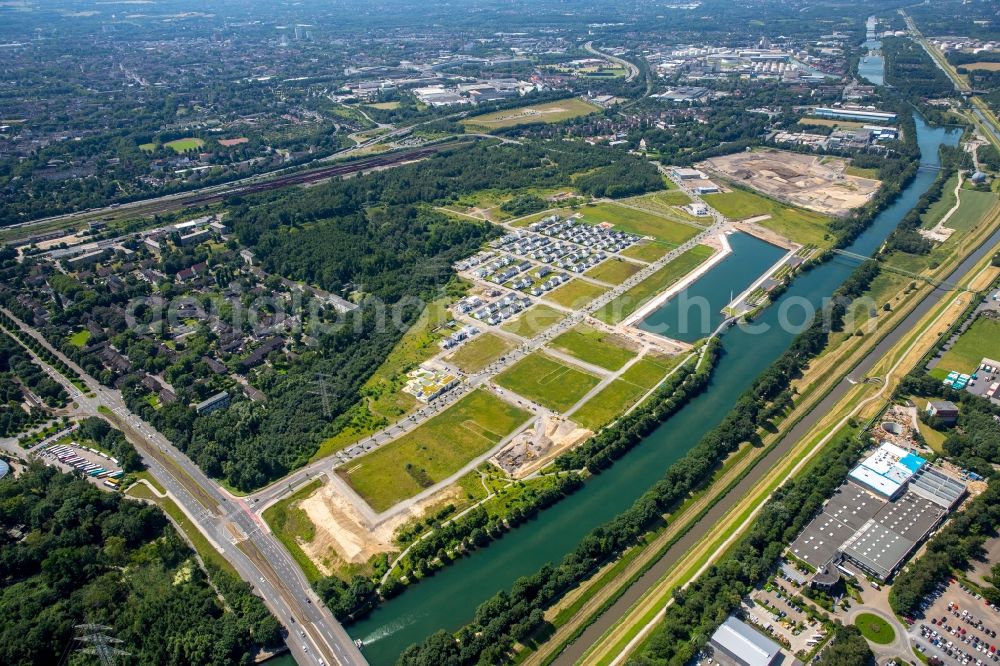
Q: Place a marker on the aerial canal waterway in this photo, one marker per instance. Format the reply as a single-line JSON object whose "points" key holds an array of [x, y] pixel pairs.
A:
{"points": [[872, 66], [448, 599], [697, 311]]}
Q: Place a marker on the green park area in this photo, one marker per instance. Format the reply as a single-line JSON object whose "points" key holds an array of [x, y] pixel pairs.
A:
{"points": [[874, 628], [596, 347], [980, 340], [479, 352], [648, 251], [639, 222], [620, 308], [434, 450], [178, 145], [613, 271], [551, 112], [547, 381], [533, 321], [575, 294], [621, 394], [80, 338], [797, 224]]}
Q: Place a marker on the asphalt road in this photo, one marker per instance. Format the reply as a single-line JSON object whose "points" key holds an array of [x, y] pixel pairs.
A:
{"points": [[314, 636], [616, 611]]}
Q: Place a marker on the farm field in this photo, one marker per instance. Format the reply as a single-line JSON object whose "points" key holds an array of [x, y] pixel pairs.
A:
{"points": [[988, 66], [801, 226], [551, 112], [648, 251], [575, 294], [613, 271], [434, 451], [620, 308], [479, 352], [590, 345], [547, 381], [982, 339], [533, 321], [639, 222]]}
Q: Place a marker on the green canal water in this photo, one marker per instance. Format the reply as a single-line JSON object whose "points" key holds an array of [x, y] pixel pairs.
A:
{"points": [[697, 311], [448, 600]]}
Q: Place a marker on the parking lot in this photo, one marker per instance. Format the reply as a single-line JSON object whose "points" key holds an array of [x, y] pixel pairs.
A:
{"points": [[70, 456], [780, 615], [958, 627]]}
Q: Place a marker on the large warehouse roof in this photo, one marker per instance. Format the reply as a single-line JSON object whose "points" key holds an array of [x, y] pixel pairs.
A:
{"points": [[939, 488], [744, 644], [888, 469]]}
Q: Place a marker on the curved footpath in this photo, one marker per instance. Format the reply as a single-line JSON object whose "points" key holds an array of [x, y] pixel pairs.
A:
{"points": [[595, 630]]}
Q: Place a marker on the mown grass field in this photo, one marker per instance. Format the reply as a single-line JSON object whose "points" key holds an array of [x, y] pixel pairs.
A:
{"points": [[980, 340], [534, 320], [595, 347], [184, 145], [547, 381], [624, 392], [862, 172], [575, 294], [648, 251], [479, 352], [433, 451], [662, 202], [551, 112], [80, 338], [623, 306], [613, 271], [801, 226], [639, 222]]}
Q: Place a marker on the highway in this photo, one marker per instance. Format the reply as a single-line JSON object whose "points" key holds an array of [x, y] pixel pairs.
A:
{"points": [[314, 636]]}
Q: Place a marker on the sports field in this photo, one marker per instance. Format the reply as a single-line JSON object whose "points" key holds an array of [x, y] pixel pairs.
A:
{"points": [[547, 381], [534, 320], [590, 345], [980, 340], [620, 308], [184, 145], [479, 352], [434, 451], [613, 271], [551, 112], [801, 226], [639, 222], [624, 392], [575, 294]]}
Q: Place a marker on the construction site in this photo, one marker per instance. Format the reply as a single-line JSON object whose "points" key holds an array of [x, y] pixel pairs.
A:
{"points": [[813, 182]]}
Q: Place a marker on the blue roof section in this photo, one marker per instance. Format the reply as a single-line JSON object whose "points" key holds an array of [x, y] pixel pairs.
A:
{"points": [[4, 469], [912, 462]]}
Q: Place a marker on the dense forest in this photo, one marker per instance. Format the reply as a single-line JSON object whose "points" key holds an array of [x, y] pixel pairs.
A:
{"points": [[72, 554], [912, 72]]}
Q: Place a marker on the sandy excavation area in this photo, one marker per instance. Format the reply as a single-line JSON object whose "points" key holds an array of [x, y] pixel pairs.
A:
{"points": [[814, 182], [536, 446], [344, 536]]}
